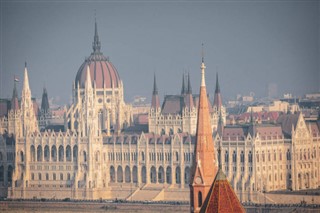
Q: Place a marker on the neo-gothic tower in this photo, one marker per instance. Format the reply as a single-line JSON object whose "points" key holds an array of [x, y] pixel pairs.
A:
{"points": [[29, 120], [204, 166]]}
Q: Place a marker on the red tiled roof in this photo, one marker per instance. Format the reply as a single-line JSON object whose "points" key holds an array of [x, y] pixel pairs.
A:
{"points": [[221, 197]]}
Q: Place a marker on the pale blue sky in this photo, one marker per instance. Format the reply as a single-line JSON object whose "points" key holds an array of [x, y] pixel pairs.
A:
{"points": [[250, 44]]}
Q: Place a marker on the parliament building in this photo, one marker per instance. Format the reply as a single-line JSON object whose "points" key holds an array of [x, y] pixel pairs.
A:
{"points": [[91, 156]]}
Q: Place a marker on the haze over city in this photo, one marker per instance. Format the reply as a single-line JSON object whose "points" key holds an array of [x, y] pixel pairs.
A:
{"points": [[250, 43]]}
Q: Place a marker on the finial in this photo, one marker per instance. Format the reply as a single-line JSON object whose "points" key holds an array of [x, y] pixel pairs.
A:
{"points": [[203, 67], [202, 53]]}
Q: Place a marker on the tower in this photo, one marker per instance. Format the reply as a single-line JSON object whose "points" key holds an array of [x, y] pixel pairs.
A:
{"points": [[204, 166], [29, 120]]}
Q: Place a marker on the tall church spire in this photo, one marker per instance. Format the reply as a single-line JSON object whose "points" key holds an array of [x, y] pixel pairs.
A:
{"points": [[204, 166], [155, 103], [96, 45]]}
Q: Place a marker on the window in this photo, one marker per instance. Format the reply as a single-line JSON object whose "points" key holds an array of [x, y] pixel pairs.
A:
{"points": [[47, 176], [234, 157], [32, 176], [54, 176], [61, 176], [199, 199], [242, 157], [226, 157], [250, 157], [39, 176]]}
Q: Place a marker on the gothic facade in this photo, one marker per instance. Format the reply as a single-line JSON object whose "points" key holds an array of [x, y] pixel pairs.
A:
{"points": [[91, 159]]}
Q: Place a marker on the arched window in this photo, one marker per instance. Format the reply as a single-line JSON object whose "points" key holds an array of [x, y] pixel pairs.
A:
{"points": [[61, 176], [134, 174], [288, 155], [168, 175], [68, 176], [226, 157], [39, 176], [112, 174], [234, 157], [143, 174], [274, 155], [178, 175], [177, 156], [142, 156], [54, 177], [242, 157], [127, 175], [75, 153], [47, 176], [199, 199], [33, 153], [21, 156], [46, 153], [61, 153], [250, 157], [161, 175], [54, 153], [257, 157], [120, 174], [39, 153], [68, 153], [153, 175]]}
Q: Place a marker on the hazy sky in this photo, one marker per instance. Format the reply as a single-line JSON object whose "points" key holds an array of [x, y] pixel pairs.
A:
{"points": [[250, 44]]}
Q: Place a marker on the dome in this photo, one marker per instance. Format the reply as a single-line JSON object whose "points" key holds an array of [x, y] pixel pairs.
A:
{"points": [[102, 71]]}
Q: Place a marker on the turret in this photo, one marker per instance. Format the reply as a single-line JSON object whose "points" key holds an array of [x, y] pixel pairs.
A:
{"points": [[217, 101], [45, 102], [155, 103]]}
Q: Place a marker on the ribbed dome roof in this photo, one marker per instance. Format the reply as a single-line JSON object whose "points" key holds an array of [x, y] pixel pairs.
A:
{"points": [[102, 71]]}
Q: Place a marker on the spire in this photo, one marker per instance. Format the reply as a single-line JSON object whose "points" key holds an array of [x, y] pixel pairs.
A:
{"points": [[155, 103], [204, 166], [217, 101], [25, 79], [217, 84], [155, 88], [189, 91], [183, 88], [44, 102], [96, 45]]}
